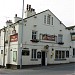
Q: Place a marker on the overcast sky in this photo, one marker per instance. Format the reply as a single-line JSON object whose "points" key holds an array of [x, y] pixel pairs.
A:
{"points": [[63, 9]]}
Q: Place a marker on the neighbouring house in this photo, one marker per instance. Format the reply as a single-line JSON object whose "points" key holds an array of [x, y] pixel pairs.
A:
{"points": [[38, 39]]}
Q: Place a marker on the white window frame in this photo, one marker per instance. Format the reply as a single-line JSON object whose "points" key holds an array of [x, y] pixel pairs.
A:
{"points": [[60, 38], [61, 54], [52, 20], [44, 19], [34, 36], [73, 51], [48, 19], [33, 55]]}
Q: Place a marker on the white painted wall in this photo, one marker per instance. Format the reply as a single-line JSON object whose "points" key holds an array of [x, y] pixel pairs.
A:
{"points": [[45, 29], [27, 36]]}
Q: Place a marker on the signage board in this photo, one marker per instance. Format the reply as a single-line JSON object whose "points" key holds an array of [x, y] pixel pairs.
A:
{"points": [[14, 38], [48, 37], [73, 37]]}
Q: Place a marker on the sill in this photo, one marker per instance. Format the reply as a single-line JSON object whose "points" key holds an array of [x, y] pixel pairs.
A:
{"points": [[67, 57], [60, 43], [60, 59], [73, 56], [34, 59], [35, 40], [46, 41]]}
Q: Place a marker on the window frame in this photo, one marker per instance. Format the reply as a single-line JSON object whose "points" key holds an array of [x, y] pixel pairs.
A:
{"points": [[48, 19], [52, 20], [26, 54], [73, 51], [1, 51], [59, 54], [34, 34], [33, 55], [67, 54], [44, 19], [60, 38], [14, 56]]}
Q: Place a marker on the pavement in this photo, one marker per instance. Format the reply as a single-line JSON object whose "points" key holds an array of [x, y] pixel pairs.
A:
{"points": [[63, 69]]}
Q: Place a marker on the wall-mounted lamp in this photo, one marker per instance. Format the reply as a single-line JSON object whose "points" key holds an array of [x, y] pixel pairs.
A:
{"points": [[70, 46], [52, 49], [11, 50]]}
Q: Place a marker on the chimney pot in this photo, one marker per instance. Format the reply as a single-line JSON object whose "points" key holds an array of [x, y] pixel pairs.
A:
{"points": [[15, 15], [33, 9], [9, 21], [29, 7]]}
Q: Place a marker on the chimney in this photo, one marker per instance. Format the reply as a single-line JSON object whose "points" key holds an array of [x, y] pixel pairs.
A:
{"points": [[16, 18], [9, 22], [15, 15], [29, 11]]}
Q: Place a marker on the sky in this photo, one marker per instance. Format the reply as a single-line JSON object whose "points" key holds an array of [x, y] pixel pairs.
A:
{"points": [[62, 9]]}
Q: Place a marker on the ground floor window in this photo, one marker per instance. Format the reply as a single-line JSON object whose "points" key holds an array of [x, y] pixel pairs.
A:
{"points": [[1, 51], [14, 56], [67, 54], [63, 54], [73, 51], [25, 52], [59, 54], [56, 54], [34, 54]]}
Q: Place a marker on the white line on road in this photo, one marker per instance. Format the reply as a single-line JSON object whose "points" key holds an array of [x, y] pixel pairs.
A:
{"points": [[71, 74]]}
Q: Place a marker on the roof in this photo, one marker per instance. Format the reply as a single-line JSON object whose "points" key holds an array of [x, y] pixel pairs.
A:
{"points": [[71, 27], [38, 14]]}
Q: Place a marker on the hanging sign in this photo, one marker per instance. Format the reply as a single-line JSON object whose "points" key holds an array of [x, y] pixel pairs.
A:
{"points": [[14, 38]]}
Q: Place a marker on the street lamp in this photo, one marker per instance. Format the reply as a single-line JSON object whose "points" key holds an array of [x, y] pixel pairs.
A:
{"points": [[21, 46]]}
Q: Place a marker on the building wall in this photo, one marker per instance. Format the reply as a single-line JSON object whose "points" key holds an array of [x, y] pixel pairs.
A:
{"points": [[13, 46], [40, 27], [36, 23]]}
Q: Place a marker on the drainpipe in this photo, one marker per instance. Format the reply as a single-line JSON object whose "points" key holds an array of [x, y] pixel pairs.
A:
{"points": [[8, 51], [4, 48]]}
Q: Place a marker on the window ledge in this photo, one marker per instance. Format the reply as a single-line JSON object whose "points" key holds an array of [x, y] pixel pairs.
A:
{"points": [[60, 43], [59, 59], [73, 56], [34, 59], [35, 40]]}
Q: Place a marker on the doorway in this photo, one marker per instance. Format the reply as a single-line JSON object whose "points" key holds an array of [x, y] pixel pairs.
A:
{"points": [[43, 58]]}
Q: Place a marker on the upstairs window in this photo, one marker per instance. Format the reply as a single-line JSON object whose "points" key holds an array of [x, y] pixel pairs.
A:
{"points": [[48, 19], [52, 20], [34, 35], [60, 38], [44, 19]]}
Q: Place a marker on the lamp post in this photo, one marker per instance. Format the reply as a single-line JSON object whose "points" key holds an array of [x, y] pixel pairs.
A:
{"points": [[21, 45]]}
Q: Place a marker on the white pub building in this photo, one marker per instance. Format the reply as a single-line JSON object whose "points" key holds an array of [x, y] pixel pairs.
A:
{"points": [[40, 39]]}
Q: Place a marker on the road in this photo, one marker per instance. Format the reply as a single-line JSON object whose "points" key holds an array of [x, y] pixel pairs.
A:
{"points": [[64, 69]]}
